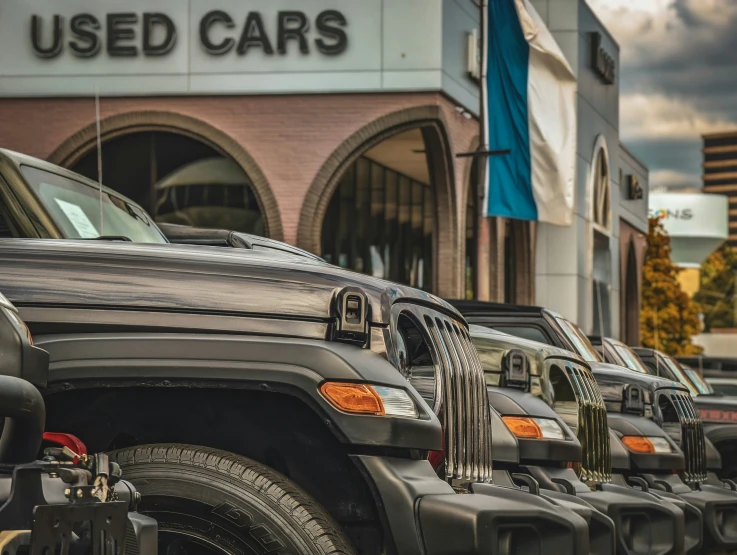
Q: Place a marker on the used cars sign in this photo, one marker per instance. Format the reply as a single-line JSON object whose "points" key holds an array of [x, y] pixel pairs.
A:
{"points": [[125, 34]]}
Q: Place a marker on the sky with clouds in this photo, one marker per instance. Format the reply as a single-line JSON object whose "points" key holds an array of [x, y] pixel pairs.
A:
{"points": [[678, 79]]}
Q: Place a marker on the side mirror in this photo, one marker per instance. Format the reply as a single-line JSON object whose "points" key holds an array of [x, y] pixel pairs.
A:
{"points": [[18, 357]]}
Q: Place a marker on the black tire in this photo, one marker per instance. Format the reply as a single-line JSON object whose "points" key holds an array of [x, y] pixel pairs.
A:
{"points": [[210, 501]]}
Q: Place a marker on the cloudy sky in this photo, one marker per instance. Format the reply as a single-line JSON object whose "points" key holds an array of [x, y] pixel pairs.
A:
{"points": [[678, 79]]}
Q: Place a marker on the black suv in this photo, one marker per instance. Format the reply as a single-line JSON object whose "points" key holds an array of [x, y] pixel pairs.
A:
{"points": [[670, 408], [549, 399], [718, 412], [269, 402]]}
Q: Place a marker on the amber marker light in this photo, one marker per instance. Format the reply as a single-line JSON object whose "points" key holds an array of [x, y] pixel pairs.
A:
{"points": [[534, 428], [353, 398], [525, 428], [647, 445]]}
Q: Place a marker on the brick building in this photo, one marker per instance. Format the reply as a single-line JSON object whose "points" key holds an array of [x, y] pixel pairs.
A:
{"points": [[337, 130], [720, 173]]}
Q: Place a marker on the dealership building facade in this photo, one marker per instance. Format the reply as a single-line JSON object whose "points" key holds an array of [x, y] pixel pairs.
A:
{"points": [[335, 126]]}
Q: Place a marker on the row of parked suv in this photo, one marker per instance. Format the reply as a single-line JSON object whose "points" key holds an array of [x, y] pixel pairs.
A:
{"points": [[260, 400]]}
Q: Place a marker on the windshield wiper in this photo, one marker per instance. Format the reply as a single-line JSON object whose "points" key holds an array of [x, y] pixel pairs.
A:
{"points": [[111, 238]]}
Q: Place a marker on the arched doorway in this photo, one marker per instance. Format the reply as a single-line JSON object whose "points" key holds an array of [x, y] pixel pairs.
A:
{"points": [[383, 203], [381, 219], [472, 234], [519, 274], [631, 315], [601, 241], [178, 179]]}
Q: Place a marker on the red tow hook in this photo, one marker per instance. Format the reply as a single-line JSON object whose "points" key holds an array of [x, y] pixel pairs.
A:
{"points": [[437, 458], [66, 440]]}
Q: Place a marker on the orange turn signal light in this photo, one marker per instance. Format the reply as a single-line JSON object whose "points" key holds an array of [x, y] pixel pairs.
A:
{"points": [[353, 398], [525, 428], [638, 444]]}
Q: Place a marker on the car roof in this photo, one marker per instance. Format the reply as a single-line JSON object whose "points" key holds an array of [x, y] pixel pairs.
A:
{"points": [[17, 159], [187, 278], [480, 308]]}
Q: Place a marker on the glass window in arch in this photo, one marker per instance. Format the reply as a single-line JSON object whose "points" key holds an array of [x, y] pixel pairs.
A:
{"points": [[381, 223], [602, 191]]}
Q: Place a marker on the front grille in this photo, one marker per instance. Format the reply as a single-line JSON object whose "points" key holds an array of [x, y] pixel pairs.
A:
{"points": [[692, 441], [593, 428], [464, 409]]}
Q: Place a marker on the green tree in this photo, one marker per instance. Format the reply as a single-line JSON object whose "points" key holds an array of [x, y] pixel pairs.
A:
{"points": [[716, 294], [669, 318]]}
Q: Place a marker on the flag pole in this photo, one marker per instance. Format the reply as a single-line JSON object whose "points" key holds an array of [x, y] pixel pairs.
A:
{"points": [[481, 158], [483, 250]]}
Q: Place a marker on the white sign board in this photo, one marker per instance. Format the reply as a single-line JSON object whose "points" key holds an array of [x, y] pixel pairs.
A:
{"points": [[697, 223], [132, 47]]}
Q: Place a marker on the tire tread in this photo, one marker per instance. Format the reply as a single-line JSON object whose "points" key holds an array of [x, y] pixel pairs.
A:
{"points": [[322, 530]]}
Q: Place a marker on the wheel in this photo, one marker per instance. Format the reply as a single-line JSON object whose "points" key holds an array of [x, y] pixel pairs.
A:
{"points": [[213, 502]]}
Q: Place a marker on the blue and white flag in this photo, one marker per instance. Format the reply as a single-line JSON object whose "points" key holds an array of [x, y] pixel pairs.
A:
{"points": [[529, 91]]}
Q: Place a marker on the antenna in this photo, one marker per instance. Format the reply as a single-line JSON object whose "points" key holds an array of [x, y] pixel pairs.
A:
{"points": [[657, 335], [99, 156]]}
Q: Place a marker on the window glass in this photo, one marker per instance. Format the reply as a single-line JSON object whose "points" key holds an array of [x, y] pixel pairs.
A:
{"points": [[680, 375], [531, 333], [381, 223], [724, 388], [630, 358], [75, 208], [581, 343], [698, 381]]}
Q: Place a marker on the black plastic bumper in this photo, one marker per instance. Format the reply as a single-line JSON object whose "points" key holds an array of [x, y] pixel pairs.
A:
{"points": [[645, 524], [424, 516], [693, 521], [717, 505], [601, 527]]}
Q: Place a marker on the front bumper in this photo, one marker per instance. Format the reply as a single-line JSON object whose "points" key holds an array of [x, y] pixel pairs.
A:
{"points": [[644, 523], [601, 527], [423, 515], [716, 503]]}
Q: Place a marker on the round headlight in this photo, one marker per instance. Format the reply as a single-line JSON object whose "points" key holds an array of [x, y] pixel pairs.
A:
{"points": [[416, 364], [425, 380]]}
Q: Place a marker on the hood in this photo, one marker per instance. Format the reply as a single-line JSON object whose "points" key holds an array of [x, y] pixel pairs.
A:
{"points": [[493, 345], [168, 277], [611, 373]]}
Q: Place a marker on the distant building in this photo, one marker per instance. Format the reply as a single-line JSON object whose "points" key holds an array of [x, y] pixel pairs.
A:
{"points": [[344, 141], [720, 173], [697, 225]]}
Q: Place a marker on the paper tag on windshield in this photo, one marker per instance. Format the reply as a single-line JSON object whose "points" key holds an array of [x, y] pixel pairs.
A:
{"points": [[79, 219]]}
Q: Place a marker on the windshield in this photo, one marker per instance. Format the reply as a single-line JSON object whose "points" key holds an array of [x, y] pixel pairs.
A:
{"points": [[630, 358], [680, 374], [698, 381], [75, 209], [580, 341]]}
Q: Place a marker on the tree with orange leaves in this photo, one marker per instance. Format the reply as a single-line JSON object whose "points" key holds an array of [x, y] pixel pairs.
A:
{"points": [[669, 318]]}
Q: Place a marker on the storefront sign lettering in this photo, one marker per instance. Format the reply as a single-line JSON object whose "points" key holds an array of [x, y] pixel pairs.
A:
{"points": [[155, 34], [666, 214], [121, 38], [292, 26], [602, 63]]}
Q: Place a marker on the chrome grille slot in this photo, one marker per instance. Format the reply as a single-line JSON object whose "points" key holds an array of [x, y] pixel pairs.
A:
{"points": [[692, 437], [593, 428], [464, 409]]}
